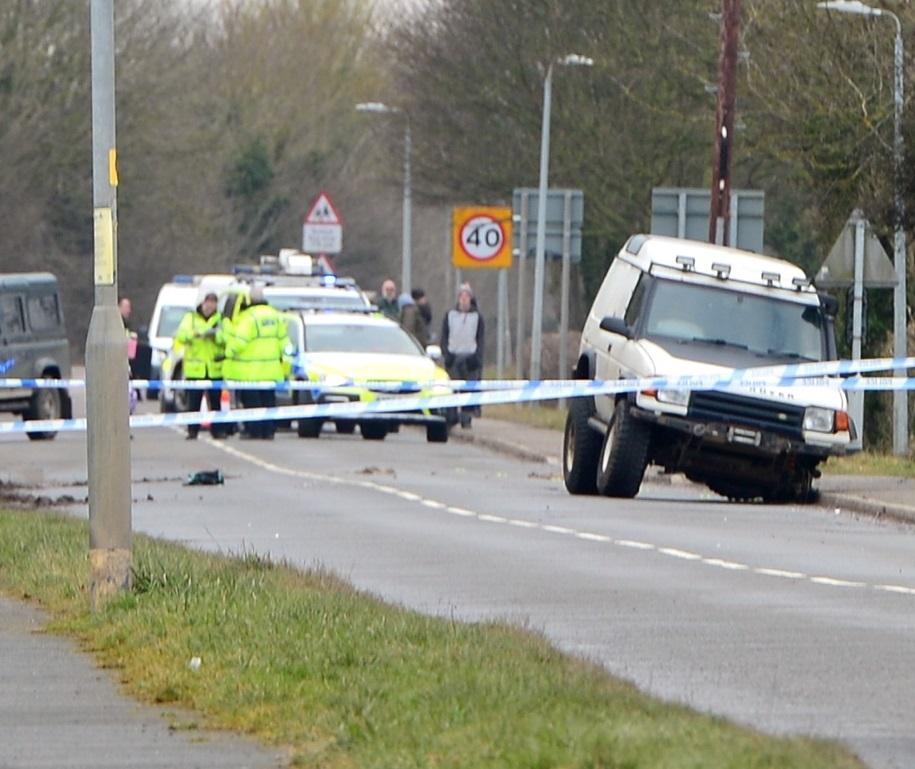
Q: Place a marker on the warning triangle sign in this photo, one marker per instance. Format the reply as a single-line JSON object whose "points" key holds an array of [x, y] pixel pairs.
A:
{"points": [[323, 211]]}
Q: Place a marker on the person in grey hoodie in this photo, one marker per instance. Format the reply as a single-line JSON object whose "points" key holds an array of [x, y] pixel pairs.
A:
{"points": [[462, 344]]}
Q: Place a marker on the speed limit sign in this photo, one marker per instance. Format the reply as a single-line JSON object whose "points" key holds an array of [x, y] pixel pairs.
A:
{"points": [[482, 237]]}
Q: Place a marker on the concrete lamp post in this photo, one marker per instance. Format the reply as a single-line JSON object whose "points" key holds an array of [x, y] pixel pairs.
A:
{"points": [[570, 60], [379, 108], [900, 401]]}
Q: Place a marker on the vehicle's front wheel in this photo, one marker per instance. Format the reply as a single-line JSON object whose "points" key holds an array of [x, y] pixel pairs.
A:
{"points": [[580, 448], [373, 431], [44, 404], [624, 455], [345, 426], [437, 432]]}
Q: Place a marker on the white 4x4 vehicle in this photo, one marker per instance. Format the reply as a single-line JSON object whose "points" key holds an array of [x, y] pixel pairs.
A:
{"points": [[669, 308]]}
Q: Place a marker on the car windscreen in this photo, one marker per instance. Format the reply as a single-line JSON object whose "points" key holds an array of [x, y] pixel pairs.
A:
{"points": [[384, 340], [763, 325], [169, 320], [343, 301]]}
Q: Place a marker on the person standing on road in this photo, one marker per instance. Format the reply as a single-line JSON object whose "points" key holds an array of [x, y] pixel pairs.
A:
{"points": [[204, 350], [425, 309], [462, 344], [387, 302], [412, 320], [255, 345]]}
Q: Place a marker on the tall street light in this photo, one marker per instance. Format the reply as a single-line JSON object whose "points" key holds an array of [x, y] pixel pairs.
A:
{"points": [[900, 400], [406, 282], [570, 60]]}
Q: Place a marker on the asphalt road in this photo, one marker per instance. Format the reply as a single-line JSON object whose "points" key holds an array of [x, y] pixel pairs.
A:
{"points": [[792, 619]]}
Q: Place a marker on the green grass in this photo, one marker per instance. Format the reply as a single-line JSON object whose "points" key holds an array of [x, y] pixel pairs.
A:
{"points": [[544, 415], [303, 660], [870, 463]]}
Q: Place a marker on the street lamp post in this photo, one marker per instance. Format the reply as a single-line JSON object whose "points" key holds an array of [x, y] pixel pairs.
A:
{"points": [[571, 60], [378, 107], [900, 400]]}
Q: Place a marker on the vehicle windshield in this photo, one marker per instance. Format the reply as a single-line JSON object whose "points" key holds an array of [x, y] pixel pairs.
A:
{"points": [[762, 325], [383, 340], [170, 319], [344, 301]]}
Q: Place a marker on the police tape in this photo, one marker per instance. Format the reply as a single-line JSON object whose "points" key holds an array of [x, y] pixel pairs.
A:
{"points": [[785, 375], [385, 407]]}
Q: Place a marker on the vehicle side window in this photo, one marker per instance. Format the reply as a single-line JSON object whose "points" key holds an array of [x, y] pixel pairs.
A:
{"points": [[12, 321], [637, 302], [615, 291], [44, 313]]}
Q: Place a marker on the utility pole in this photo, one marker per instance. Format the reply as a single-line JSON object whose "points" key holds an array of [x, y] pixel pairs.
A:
{"points": [[724, 124], [110, 529]]}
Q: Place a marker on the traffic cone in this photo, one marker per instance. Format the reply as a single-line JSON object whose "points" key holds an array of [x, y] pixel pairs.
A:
{"points": [[205, 408]]}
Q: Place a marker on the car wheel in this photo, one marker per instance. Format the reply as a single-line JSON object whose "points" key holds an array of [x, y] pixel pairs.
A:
{"points": [[624, 455], [181, 399], [437, 432], [580, 448], [373, 431], [345, 426], [44, 404], [309, 428]]}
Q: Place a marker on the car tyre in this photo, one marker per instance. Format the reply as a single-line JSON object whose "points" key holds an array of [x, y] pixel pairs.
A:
{"points": [[44, 404], [309, 428], [345, 426], [624, 454], [580, 448], [437, 432], [373, 431]]}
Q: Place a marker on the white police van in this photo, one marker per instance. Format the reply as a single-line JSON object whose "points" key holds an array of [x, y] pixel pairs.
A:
{"points": [[671, 308]]}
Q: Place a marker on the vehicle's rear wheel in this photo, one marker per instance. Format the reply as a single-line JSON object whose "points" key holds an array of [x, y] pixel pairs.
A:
{"points": [[580, 448], [181, 395], [345, 426], [437, 432], [44, 404], [373, 431], [309, 428], [624, 455]]}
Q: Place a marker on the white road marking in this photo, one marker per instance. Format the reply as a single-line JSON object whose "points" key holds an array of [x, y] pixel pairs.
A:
{"points": [[835, 582], [633, 544], [685, 555], [558, 529], [721, 564], [781, 573], [523, 524]]}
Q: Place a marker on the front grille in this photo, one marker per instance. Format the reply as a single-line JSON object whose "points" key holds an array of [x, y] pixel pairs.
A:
{"points": [[750, 412]]}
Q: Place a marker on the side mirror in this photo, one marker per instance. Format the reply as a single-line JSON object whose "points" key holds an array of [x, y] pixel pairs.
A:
{"points": [[616, 326]]}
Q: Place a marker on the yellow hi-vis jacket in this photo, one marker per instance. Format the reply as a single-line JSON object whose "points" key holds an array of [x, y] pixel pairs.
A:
{"points": [[255, 345], [203, 346]]}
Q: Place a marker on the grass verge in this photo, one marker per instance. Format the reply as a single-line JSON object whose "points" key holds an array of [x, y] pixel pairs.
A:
{"points": [[538, 414], [870, 463], [303, 660]]}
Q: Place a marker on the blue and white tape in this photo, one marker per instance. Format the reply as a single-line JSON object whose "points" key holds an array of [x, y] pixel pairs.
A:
{"points": [[386, 406], [784, 375]]}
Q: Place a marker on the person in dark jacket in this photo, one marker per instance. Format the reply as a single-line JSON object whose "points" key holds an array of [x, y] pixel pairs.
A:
{"points": [[411, 319], [422, 302], [462, 344]]}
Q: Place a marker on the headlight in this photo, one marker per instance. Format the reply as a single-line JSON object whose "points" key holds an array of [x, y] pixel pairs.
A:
{"points": [[819, 420], [675, 397]]}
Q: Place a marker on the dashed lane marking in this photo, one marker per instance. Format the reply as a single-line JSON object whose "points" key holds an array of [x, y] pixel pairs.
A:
{"points": [[669, 552]]}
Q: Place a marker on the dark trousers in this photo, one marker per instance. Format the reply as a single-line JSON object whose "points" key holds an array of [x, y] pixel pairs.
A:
{"points": [[255, 399], [194, 398]]}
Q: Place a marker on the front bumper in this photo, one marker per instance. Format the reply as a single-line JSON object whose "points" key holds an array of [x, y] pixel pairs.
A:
{"points": [[354, 395], [739, 438]]}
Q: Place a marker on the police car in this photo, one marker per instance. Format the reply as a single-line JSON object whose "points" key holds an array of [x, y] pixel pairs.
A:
{"points": [[334, 349]]}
